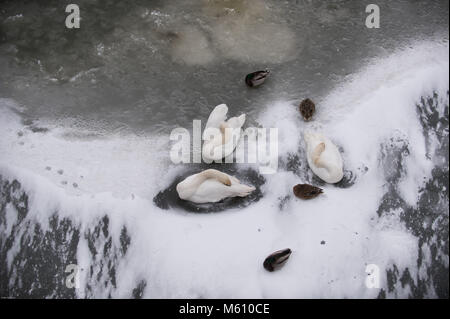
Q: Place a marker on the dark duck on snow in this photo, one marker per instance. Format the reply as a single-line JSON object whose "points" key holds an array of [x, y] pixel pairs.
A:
{"points": [[277, 259], [306, 191], [307, 109]]}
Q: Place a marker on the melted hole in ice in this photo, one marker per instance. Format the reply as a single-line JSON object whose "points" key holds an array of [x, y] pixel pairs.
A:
{"points": [[239, 30], [393, 155], [169, 198], [191, 46], [247, 41]]}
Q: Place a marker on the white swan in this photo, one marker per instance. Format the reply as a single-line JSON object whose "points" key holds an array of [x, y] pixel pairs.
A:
{"points": [[221, 136], [323, 157], [211, 186]]}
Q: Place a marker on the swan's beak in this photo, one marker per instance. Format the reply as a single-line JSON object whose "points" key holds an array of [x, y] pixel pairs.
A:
{"points": [[277, 259]]}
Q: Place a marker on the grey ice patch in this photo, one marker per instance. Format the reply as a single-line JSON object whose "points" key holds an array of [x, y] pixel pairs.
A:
{"points": [[393, 155], [428, 219], [33, 260]]}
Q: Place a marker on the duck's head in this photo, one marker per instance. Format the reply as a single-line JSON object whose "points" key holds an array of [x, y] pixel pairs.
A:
{"points": [[307, 109], [277, 259]]}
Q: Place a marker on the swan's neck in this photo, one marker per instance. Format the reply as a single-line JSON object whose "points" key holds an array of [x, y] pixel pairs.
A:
{"points": [[197, 180], [225, 130], [316, 155], [217, 175]]}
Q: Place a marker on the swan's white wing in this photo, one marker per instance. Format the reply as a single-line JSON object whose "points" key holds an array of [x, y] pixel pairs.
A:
{"points": [[330, 165], [212, 191], [217, 116]]}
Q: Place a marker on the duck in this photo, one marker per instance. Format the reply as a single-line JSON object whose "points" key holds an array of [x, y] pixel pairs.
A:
{"points": [[211, 186], [307, 109], [277, 259], [221, 136], [324, 158], [257, 78], [306, 191]]}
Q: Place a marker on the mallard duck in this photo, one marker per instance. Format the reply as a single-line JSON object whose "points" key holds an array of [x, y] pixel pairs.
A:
{"points": [[221, 136], [306, 191], [211, 186], [256, 78], [307, 109], [277, 259], [324, 158]]}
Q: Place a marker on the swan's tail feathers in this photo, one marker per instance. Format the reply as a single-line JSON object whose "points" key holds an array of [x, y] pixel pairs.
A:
{"points": [[339, 175], [316, 154], [335, 174], [241, 120], [244, 190], [236, 122], [234, 180]]}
